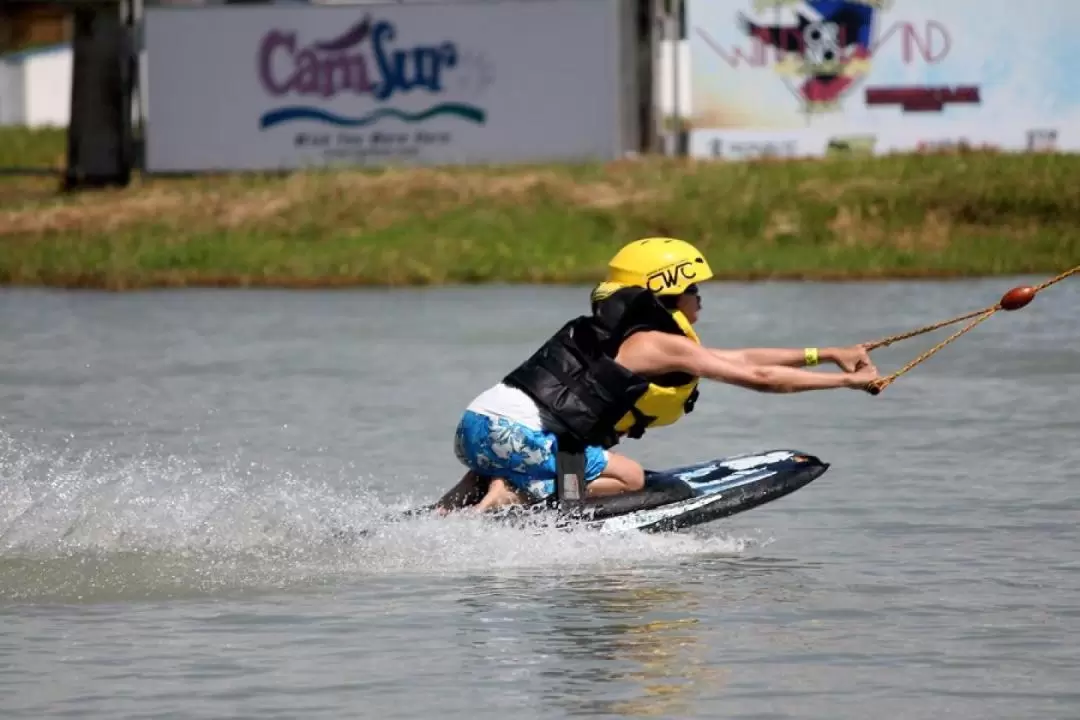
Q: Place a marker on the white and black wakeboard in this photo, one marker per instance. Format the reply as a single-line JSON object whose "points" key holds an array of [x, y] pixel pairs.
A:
{"points": [[677, 498], [695, 494]]}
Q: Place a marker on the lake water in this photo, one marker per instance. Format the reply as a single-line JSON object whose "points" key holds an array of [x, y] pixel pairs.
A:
{"points": [[174, 466]]}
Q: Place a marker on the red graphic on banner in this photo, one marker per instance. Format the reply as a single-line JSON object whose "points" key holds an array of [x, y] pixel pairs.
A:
{"points": [[923, 98]]}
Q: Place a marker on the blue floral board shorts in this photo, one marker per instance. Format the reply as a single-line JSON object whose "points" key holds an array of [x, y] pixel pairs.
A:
{"points": [[524, 457]]}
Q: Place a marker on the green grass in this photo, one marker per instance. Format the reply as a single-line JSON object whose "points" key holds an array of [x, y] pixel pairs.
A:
{"points": [[24, 147], [850, 218]]}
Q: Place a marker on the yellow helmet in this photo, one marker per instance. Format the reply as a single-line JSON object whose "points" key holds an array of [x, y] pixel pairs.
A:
{"points": [[666, 266]]}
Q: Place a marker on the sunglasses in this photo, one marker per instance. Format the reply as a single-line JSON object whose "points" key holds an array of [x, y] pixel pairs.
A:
{"points": [[672, 301]]}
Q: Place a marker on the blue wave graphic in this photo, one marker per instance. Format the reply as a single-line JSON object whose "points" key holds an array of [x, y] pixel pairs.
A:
{"points": [[300, 112]]}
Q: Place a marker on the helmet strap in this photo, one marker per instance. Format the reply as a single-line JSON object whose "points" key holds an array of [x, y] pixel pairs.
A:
{"points": [[671, 302]]}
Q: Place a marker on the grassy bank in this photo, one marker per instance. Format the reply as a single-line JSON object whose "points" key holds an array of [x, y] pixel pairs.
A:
{"points": [[26, 148], [905, 216]]}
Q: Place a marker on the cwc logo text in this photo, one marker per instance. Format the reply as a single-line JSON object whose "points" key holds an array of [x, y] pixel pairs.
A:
{"points": [[671, 276]]}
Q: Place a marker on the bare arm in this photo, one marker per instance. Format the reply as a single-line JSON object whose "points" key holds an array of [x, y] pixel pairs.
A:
{"points": [[655, 353], [787, 357], [848, 359]]}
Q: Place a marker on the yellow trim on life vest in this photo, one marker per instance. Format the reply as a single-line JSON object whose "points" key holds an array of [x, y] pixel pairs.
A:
{"points": [[685, 326], [663, 405]]}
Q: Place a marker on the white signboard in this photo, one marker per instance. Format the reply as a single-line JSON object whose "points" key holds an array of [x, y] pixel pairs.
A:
{"points": [[257, 87], [815, 77]]}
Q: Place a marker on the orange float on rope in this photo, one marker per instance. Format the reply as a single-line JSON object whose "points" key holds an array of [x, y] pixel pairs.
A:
{"points": [[1017, 298]]}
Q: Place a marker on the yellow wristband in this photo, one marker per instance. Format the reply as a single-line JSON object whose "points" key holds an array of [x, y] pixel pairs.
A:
{"points": [[810, 356]]}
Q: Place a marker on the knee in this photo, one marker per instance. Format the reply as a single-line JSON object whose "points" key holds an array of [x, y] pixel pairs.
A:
{"points": [[636, 479], [628, 472]]}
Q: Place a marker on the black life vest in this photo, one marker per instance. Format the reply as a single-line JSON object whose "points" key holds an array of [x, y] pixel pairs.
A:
{"points": [[575, 379]]}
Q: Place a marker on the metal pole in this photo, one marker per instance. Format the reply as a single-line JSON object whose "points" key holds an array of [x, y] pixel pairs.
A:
{"points": [[665, 73], [650, 56], [675, 121], [682, 117]]}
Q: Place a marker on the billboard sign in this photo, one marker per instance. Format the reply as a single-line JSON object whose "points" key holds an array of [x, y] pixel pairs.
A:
{"points": [[817, 77], [276, 87]]}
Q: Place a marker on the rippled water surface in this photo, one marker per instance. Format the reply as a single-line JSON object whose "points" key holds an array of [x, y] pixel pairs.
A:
{"points": [[175, 468]]}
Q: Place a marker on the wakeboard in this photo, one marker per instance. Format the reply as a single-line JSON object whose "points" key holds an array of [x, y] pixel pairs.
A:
{"points": [[676, 498]]}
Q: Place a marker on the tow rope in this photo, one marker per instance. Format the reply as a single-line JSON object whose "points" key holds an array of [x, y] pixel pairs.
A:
{"points": [[1014, 299]]}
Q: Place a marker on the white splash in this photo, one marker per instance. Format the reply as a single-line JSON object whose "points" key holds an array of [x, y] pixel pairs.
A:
{"points": [[86, 526]]}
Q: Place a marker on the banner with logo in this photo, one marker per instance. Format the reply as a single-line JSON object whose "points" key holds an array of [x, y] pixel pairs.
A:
{"points": [[815, 77], [275, 87]]}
